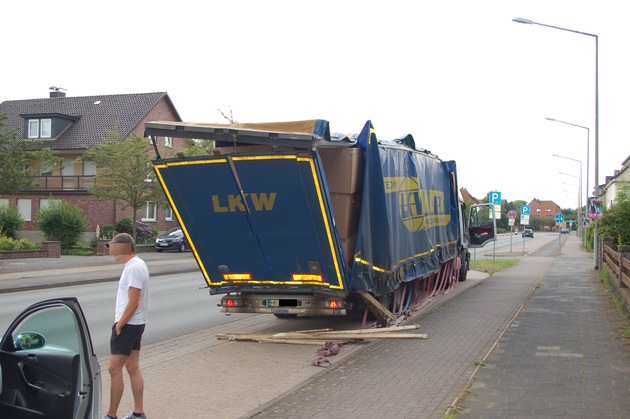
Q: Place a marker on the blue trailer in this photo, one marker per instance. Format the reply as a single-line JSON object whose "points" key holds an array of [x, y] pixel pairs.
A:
{"points": [[289, 219]]}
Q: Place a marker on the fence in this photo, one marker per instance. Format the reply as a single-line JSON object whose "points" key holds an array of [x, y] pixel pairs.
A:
{"points": [[618, 263]]}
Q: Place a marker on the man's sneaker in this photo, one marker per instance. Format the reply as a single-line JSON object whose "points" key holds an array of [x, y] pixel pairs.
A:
{"points": [[134, 416]]}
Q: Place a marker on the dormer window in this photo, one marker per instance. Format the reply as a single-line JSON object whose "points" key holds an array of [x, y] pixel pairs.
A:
{"points": [[40, 128]]}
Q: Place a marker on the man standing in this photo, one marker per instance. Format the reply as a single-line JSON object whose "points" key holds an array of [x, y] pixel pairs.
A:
{"points": [[132, 306]]}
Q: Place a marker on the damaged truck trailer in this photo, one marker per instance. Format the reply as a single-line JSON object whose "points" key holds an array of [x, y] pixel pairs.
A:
{"points": [[285, 218]]}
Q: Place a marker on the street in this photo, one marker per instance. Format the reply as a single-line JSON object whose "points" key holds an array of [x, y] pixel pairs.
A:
{"points": [[179, 305]]}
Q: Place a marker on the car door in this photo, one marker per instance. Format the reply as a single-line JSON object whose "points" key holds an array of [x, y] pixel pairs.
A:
{"points": [[48, 368]]}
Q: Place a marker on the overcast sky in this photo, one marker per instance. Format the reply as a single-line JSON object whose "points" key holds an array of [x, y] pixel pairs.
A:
{"points": [[467, 82]]}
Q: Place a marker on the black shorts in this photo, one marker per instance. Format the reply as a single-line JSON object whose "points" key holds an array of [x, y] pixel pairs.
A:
{"points": [[130, 339]]}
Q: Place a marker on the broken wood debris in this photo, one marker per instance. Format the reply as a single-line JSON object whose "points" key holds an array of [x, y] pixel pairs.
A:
{"points": [[320, 336]]}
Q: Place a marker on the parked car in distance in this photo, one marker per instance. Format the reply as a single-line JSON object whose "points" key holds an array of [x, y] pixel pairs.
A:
{"points": [[528, 232], [173, 239], [564, 231], [49, 369]]}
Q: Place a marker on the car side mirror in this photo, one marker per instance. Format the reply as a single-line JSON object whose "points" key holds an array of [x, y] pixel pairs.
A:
{"points": [[29, 340]]}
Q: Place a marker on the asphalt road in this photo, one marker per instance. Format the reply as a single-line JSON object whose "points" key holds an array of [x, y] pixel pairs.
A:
{"points": [[179, 305]]}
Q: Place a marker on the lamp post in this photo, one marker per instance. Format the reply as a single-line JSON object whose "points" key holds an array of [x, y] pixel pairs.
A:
{"points": [[580, 184], [596, 146], [579, 212], [588, 146]]}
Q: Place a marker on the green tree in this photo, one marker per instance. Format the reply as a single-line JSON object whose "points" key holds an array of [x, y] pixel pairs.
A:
{"points": [[10, 221], [62, 221], [125, 172], [20, 160], [615, 222], [195, 147]]}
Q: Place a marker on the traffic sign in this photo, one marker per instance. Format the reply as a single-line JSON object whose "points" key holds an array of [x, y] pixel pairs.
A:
{"points": [[559, 218], [495, 197], [525, 210], [511, 214]]}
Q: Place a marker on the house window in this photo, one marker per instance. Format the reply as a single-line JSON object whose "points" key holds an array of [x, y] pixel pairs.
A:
{"points": [[46, 169], [39, 128], [89, 168], [168, 213], [45, 203], [168, 141], [149, 211], [24, 207], [68, 167]]}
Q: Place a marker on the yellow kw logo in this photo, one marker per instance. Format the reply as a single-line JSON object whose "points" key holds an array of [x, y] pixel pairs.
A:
{"points": [[234, 203], [419, 209]]}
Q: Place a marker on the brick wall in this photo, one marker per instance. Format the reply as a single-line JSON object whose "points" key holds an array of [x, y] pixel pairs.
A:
{"points": [[50, 249]]}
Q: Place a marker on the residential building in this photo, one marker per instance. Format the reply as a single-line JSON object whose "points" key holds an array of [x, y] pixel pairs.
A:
{"points": [[72, 125], [620, 181], [546, 209]]}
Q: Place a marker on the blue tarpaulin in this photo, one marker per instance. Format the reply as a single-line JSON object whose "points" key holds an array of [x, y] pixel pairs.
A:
{"points": [[408, 222]]}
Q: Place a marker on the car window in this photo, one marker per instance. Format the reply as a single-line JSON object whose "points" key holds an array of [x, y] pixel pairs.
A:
{"points": [[56, 324]]}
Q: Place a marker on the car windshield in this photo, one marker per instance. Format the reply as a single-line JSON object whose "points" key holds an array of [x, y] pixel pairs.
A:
{"points": [[174, 232]]}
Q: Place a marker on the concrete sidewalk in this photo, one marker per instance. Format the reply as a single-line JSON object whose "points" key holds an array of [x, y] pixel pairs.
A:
{"points": [[541, 339]]}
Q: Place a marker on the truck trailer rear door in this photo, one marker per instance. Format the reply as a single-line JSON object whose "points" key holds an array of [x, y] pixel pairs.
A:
{"points": [[257, 221]]}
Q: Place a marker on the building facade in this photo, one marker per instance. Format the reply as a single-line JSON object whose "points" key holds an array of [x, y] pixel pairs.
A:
{"points": [[70, 126]]}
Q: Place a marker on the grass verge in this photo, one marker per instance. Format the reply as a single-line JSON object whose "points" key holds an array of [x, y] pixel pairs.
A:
{"points": [[604, 280], [491, 266]]}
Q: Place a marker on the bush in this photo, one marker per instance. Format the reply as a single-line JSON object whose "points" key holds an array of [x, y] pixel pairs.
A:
{"points": [[8, 244], [124, 226], [108, 232], [10, 221], [145, 232], [615, 222], [62, 221]]}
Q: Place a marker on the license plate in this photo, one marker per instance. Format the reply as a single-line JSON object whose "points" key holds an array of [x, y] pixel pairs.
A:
{"points": [[273, 303], [163, 244]]}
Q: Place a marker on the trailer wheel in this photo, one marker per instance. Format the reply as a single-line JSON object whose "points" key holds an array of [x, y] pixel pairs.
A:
{"points": [[285, 315]]}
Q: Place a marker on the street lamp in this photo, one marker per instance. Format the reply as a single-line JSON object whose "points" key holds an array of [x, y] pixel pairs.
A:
{"points": [[596, 194], [588, 146], [580, 187]]}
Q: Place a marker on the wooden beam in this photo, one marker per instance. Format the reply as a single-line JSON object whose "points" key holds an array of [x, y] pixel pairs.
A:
{"points": [[375, 306]]}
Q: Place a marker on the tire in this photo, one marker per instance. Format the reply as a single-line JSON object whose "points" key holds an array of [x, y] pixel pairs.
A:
{"points": [[285, 316], [463, 271], [182, 247], [158, 250]]}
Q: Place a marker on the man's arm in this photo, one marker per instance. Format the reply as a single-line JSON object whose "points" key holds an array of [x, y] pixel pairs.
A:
{"points": [[130, 309]]}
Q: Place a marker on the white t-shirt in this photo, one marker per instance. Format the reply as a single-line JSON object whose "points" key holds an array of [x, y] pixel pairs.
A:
{"points": [[136, 275]]}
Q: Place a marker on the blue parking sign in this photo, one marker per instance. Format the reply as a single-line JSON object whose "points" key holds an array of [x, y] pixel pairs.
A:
{"points": [[525, 210], [495, 197]]}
